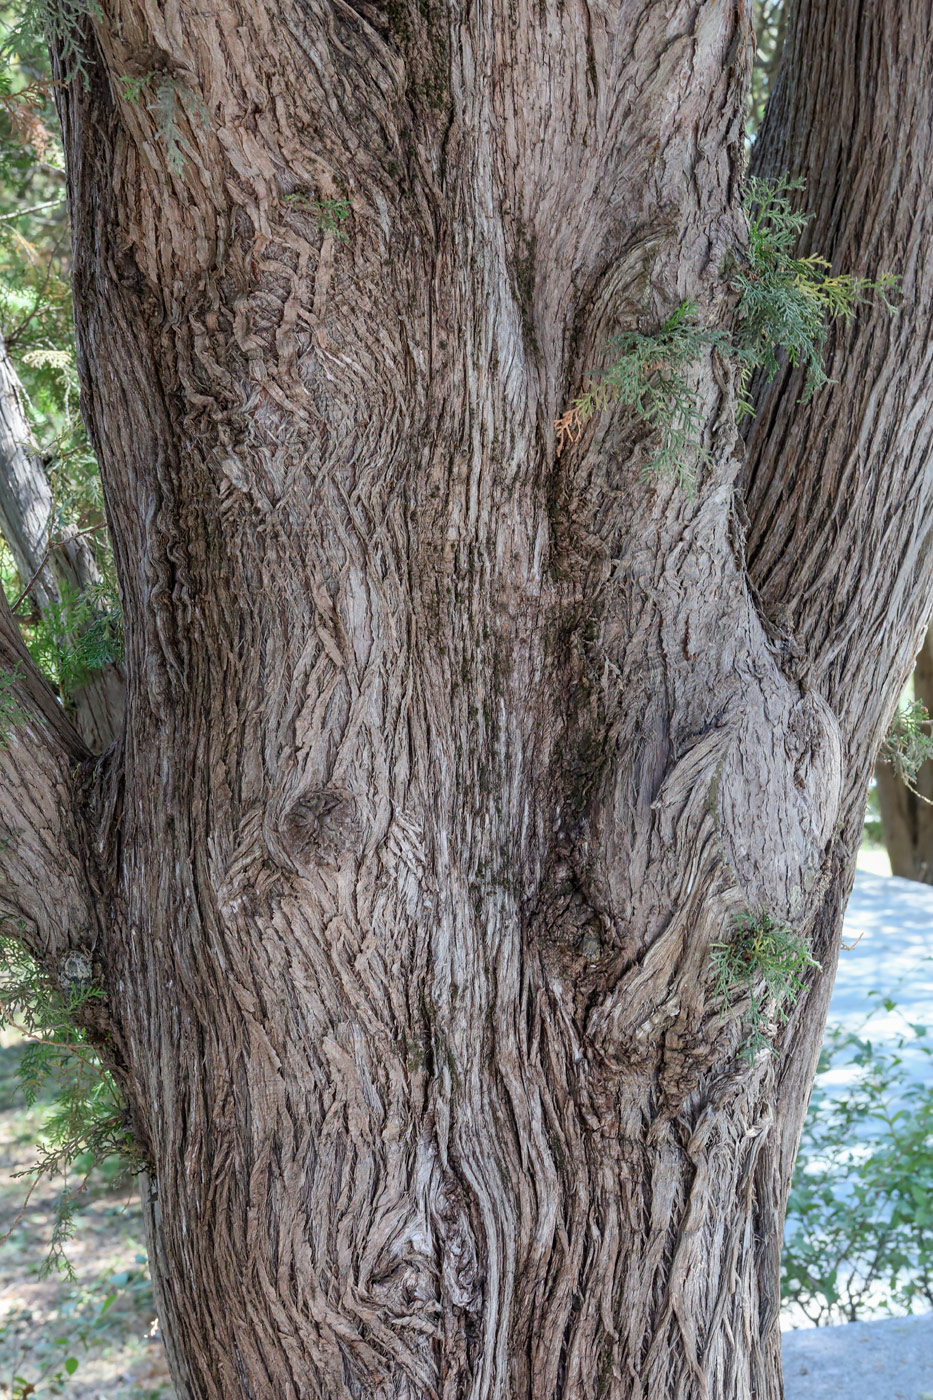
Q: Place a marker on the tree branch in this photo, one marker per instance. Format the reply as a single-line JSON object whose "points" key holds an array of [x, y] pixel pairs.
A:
{"points": [[840, 494], [44, 883]]}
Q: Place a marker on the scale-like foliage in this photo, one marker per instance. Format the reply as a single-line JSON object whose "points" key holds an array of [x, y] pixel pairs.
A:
{"points": [[652, 375], [784, 304], [908, 744], [58, 23], [765, 964]]}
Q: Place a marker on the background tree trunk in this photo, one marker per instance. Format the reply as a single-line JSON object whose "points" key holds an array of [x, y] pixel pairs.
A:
{"points": [[906, 819], [50, 567], [446, 759]]}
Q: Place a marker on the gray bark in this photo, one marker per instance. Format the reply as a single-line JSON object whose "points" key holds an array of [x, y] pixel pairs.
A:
{"points": [[447, 760]]}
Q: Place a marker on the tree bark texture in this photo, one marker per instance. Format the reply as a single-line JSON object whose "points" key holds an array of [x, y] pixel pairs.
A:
{"points": [[447, 759], [49, 567], [906, 813]]}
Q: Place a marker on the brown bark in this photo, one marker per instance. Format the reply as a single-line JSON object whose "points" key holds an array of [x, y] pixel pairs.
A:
{"points": [[906, 811], [51, 564], [447, 760]]}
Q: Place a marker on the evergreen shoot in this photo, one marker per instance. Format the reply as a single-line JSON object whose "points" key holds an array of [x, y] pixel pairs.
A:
{"points": [[76, 636], [908, 743], [786, 302], [765, 964], [60, 25], [652, 376], [784, 306]]}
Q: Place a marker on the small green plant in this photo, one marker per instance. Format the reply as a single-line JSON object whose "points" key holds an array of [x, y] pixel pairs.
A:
{"points": [[173, 102], [85, 1127], [40, 1361], [859, 1233], [766, 964], [786, 302], [651, 376], [331, 214], [908, 744]]}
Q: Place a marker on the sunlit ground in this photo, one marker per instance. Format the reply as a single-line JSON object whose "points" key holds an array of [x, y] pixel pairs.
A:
{"points": [[48, 1322]]}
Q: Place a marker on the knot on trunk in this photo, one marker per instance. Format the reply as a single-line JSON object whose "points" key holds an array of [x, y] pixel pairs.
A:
{"points": [[75, 973], [316, 827]]}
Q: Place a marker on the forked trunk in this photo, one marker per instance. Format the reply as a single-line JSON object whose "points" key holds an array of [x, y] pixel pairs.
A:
{"points": [[448, 759]]}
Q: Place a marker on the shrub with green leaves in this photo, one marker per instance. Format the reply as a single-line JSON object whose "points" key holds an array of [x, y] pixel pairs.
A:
{"points": [[859, 1235], [765, 966]]}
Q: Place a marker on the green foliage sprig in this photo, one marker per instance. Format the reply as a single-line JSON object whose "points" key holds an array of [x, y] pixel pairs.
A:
{"points": [[331, 214], [651, 376], [908, 743], [173, 102], [76, 636], [784, 304], [766, 964], [58, 23], [133, 87]]}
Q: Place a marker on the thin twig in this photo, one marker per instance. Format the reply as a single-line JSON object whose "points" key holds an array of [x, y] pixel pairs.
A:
{"points": [[45, 559], [22, 1209], [34, 1039], [33, 209]]}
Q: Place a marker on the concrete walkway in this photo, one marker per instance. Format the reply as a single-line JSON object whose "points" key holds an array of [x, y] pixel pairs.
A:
{"points": [[887, 1360]]}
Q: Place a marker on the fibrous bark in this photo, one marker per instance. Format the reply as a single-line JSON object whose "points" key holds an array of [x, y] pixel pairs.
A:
{"points": [[447, 760]]}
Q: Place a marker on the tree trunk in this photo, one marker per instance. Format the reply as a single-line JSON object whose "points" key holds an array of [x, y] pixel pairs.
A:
{"points": [[448, 759], [50, 568], [906, 818]]}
